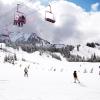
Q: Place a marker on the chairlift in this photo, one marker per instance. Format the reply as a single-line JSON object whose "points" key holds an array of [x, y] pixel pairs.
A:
{"points": [[19, 17], [49, 16]]}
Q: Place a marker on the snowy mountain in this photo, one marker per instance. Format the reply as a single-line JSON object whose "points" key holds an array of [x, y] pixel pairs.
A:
{"points": [[48, 78], [37, 41], [4, 38], [86, 52], [32, 38], [32, 42], [49, 66]]}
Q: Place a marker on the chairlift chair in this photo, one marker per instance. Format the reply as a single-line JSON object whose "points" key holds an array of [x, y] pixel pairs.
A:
{"points": [[19, 17], [16, 17], [49, 18], [21, 20]]}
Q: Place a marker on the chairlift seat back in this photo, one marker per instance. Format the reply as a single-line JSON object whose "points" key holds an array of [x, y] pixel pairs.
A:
{"points": [[49, 17]]}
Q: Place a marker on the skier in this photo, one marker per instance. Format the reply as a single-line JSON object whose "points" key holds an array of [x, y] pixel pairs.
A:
{"points": [[75, 77], [25, 72], [99, 72]]}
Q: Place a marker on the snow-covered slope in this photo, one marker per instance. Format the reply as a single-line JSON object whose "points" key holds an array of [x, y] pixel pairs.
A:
{"points": [[85, 51], [49, 78]]}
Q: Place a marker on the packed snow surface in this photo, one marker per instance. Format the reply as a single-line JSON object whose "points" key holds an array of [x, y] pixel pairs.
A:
{"points": [[49, 78]]}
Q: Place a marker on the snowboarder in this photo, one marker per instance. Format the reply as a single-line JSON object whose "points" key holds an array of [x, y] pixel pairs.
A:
{"points": [[75, 77], [25, 72]]}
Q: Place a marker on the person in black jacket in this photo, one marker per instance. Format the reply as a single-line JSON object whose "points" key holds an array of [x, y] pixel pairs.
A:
{"points": [[25, 72], [75, 77]]}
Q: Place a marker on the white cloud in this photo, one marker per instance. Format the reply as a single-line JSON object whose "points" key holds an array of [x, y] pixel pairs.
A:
{"points": [[9, 2], [73, 24], [94, 7]]}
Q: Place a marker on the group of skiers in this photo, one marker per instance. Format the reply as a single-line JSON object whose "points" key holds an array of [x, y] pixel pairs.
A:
{"points": [[19, 20], [74, 75]]}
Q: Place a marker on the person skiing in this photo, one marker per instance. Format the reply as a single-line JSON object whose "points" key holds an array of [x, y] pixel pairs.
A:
{"points": [[99, 72], [25, 72], [75, 77]]}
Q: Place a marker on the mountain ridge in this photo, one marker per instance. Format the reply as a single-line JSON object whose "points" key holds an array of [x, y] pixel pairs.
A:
{"points": [[32, 42]]}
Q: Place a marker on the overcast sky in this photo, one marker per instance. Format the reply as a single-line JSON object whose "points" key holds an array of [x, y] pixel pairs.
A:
{"points": [[74, 23]]}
